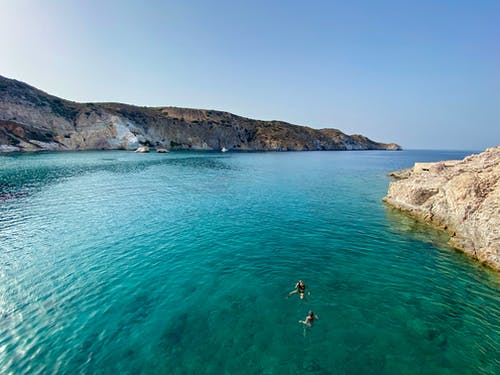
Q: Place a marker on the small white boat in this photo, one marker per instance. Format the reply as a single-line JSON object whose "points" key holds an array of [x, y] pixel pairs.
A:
{"points": [[223, 149]]}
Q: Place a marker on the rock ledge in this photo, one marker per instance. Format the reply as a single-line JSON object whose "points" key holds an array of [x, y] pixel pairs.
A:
{"points": [[459, 196]]}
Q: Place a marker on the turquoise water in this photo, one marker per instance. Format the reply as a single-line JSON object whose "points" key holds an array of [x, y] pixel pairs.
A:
{"points": [[180, 263]]}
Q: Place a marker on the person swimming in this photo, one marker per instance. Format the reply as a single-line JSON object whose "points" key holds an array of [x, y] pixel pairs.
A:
{"points": [[300, 288], [310, 318]]}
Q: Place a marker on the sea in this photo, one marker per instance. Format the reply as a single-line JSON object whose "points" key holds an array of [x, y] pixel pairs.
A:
{"points": [[113, 262]]}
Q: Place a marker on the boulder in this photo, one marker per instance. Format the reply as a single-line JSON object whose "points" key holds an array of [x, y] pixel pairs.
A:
{"points": [[142, 149]]}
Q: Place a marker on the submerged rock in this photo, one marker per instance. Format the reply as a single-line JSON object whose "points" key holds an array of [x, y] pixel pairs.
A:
{"points": [[459, 196]]}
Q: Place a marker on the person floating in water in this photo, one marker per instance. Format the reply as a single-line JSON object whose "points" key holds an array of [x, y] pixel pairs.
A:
{"points": [[300, 288], [310, 318]]}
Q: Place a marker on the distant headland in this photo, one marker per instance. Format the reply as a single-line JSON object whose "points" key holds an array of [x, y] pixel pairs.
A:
{"points": [[32, 120]]}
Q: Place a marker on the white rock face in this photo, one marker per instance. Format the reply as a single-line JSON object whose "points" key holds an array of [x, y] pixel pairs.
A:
{"points": [[106, 131], [123, 137], [8, 148], [460, 196], [142, 149]]}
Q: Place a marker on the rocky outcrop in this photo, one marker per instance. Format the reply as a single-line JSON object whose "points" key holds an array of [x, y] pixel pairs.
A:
{"points": [[32, 120], [460, 196], [142, 150]]}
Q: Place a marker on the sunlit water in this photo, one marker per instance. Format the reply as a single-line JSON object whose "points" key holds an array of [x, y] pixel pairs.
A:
{"points": [[180, 263]]}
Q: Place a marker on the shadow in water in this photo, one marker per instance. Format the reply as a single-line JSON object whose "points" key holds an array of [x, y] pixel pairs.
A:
{"points": [[172, 336]]}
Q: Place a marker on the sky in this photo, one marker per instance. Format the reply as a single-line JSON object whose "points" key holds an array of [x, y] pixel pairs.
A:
{"points": [[423, 74]]}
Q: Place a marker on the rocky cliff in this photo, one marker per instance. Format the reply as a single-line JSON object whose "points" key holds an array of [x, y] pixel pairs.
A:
{"points": [[460, 196], [32, 120]]}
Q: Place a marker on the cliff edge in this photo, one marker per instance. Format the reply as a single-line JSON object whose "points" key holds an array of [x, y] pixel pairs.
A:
{"points": [[32, 120], [460, 196]]}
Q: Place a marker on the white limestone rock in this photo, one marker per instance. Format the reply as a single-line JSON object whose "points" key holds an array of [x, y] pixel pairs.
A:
{"points": [[460, 196], [142, 149]]}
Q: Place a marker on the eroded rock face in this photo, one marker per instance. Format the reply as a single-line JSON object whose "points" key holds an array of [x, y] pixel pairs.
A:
{"points": [[32, 120], [460, 196]]}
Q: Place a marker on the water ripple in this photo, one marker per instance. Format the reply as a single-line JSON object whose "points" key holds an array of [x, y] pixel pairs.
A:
{"points": [[181, 263]]}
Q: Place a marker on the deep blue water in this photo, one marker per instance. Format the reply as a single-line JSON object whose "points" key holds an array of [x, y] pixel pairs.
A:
{"points": [[180, 263]]}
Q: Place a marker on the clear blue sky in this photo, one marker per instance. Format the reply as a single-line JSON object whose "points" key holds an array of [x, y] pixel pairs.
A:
{"points": [[424, 74]]}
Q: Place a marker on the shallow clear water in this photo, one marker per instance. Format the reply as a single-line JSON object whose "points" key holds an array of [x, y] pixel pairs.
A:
{"points": [[180, 263]]}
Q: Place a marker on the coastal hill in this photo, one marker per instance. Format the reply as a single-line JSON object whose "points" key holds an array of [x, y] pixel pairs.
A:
{"points": [[460, 196], [32, 120]]}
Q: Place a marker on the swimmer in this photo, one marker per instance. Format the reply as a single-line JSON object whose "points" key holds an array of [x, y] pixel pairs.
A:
{"points": [[300, 288], [310, 318]]}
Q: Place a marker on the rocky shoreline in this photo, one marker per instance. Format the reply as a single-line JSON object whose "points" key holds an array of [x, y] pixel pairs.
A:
{"points": [[32, 120], [459, 196]]}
